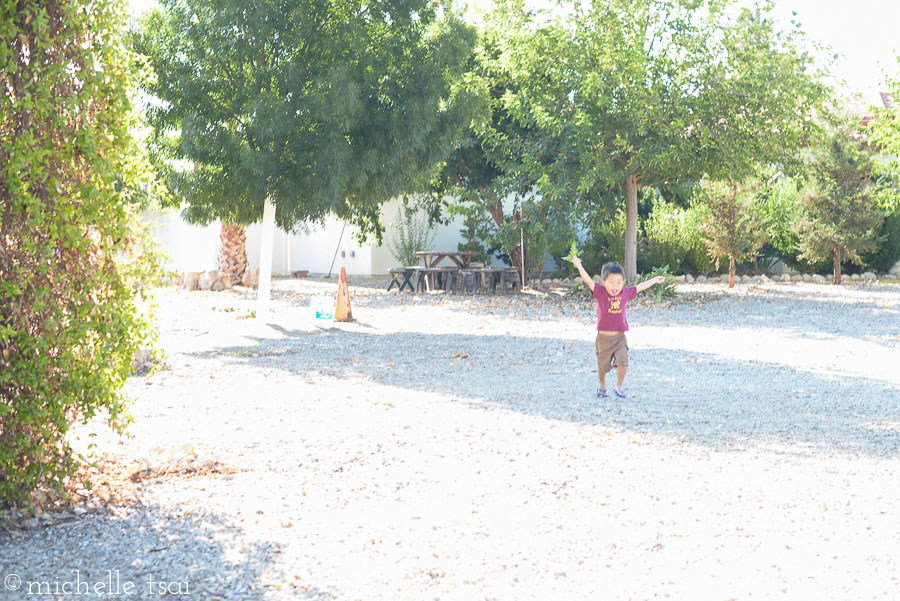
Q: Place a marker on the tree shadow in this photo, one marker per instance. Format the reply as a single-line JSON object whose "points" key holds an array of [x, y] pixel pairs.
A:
{"points": [[702, 398], [821, 313], [846, 312], [159, 552]]}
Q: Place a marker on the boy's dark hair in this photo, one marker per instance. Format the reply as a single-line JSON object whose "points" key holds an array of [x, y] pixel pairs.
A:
{"points": [[612, 267]]}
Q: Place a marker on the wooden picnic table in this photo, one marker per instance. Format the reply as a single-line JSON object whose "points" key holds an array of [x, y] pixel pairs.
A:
{"points": [[433, 257]]}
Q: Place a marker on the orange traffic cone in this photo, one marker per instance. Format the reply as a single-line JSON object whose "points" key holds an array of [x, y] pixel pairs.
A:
{"points": [[342, 311]]}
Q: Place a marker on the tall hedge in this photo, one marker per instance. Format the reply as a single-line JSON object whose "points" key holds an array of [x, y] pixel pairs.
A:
{"points": [[73, 269]]}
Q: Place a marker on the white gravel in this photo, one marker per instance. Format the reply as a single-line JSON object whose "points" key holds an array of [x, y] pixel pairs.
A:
{"points": [[452, 448]]}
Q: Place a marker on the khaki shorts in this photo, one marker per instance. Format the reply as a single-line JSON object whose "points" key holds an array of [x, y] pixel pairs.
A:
{"points": [[611, 351]]}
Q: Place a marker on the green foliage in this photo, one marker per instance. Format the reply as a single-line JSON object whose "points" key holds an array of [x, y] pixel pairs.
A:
{"points": [[75, 271], [778, 204], [888, 252], [640, 93], [675, 239], [573, 252], [732, 228], [605, 241], [667, 288], [411, 233], [492, 168], [841, 215], [476, 229], [327, 108], [530, 229], [884, 133]]}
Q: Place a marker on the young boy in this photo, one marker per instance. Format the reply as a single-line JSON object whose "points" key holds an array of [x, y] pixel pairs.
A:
{"points": [[611, 296]]}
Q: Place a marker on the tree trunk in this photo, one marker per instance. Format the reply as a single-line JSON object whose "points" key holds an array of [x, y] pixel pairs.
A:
{"points": [[837, 265], [265, 260], [731, 271], [232, 252], [631, 214]]}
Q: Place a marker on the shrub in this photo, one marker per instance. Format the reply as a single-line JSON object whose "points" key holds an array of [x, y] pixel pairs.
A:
{"points": [[74, 273], [411, 234], [545, 231], [674, 239], [888, 252], [778, 203]]}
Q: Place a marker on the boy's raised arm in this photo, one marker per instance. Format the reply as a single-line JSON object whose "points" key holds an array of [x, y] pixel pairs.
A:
{"points": [[584, 275], [644, 285]]}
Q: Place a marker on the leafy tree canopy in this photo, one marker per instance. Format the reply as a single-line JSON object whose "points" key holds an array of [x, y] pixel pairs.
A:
{"points": [[644, 92], [325, 107], [841, 209], [885, 128], [75, 271]]}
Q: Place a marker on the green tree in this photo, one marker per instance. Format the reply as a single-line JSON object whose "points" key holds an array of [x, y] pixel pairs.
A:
{"points": [[74, 271], [645, 92], [321, 108], [884, 133], [884, 136], [841, 210], [732, 227], [487, 169]]}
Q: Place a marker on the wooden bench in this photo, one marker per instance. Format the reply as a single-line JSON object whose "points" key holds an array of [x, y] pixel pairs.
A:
{"points": [[401, 276], [489, 278], [440, 278]]}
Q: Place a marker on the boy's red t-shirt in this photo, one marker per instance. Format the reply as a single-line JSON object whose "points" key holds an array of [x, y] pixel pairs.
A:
{"points": [[611, 309]]}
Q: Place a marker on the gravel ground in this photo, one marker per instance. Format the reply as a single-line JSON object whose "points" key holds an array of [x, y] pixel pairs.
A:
{"points": [[445, 447]]}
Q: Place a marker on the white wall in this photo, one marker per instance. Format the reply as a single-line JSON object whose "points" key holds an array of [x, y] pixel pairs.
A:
{"points": [[195, 248], [313, 250], [445, 237], [188, 247]]}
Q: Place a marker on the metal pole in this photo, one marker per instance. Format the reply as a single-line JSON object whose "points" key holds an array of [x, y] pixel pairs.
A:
{"points": [[336, 249]]}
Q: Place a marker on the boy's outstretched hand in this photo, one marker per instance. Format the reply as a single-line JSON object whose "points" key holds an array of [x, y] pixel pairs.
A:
{"points": [[576, 261], [659, 279]]}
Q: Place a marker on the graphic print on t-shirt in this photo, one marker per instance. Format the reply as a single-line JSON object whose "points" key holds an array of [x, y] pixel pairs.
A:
{"points": [[611, 309], [614, 304]]}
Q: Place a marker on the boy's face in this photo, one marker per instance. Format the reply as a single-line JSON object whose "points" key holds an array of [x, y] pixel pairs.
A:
{"points": [[613, 283]]}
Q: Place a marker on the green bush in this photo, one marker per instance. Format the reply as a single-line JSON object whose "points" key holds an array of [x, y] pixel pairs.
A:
{"points": [[674, 239], [411, 234], [778, 204], [74, 274], [888, 251]]}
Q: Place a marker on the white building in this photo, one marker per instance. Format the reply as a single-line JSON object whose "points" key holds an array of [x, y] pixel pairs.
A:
{"points": [[320, 250]]}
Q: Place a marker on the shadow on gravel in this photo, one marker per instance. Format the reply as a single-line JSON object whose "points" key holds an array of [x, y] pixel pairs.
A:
{"points": [[701, 398], [868, 314], [144, 553]]}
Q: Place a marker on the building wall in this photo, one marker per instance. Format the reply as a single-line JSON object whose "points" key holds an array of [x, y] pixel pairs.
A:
{"points": [[195, 248], [312, 250], [188, 247]]}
